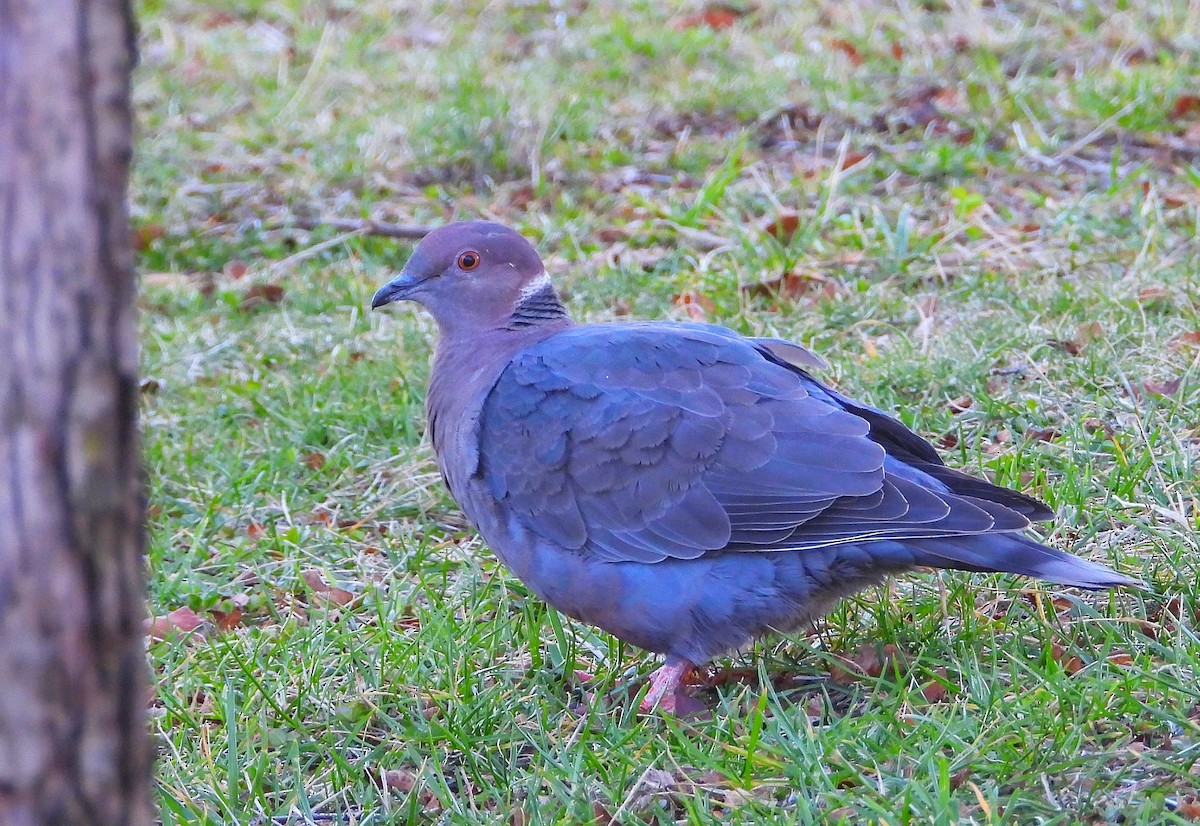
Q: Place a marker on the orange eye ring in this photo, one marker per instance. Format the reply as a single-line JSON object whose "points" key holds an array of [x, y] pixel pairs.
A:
{"points": [[468, 260]]}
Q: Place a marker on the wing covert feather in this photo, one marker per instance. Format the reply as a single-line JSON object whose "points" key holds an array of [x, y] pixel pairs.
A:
{"points": [[643, 442]]}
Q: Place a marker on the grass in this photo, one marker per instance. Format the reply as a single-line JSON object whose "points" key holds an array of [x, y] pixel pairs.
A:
{"points": [[995, 205]]}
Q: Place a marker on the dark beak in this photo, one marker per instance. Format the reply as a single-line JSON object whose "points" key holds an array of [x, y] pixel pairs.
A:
{"points": [[398, 289]]}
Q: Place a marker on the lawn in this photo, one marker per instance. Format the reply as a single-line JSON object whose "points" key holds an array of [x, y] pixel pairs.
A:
{"points": [[983, 214]]}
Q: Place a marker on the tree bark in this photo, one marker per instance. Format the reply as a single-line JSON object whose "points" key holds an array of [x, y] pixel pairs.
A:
{"points": [[74, 747]]}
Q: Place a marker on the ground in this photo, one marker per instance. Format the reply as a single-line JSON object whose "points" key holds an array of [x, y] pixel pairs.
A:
{"points": [[983, 214]]}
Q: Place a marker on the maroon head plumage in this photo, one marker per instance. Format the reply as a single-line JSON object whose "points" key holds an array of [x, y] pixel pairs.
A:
{"points": [[474, 276]]}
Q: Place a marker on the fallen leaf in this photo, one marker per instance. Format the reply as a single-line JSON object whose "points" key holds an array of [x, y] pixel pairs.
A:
{"points": [[1188, 806], [897, 51], [854, 159], [227, 620], [236, 269], [611, 235], [960, 405], [1162, 388], [601, 815], [1070, 663], [948, 441], [1185, 105], [1094, 425], [1188, 339], [717, 16], [935, 691], [782, 226], [1084, 334], [1153, 295], [146, 234], [260, 294], [792, 285], [255, 530], [326, 592], [848, 49], [1043, 434], [407, 783], [696, 306], [1121, 659], [180, 621], [314, 460], [519, 817], [149, 386], [869, 660]]}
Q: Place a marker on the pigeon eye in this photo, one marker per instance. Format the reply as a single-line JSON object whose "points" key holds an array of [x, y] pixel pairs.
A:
{"points": [[468, 260]]}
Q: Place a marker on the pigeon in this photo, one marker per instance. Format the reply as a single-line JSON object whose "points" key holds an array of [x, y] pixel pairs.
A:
{"points": [[682, 487]]}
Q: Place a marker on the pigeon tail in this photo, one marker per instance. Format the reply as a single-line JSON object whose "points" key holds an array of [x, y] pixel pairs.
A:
{"points": [[1014, 553]]}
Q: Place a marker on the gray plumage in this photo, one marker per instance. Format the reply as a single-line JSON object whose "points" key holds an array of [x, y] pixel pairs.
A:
{"points": [[681, 486]]}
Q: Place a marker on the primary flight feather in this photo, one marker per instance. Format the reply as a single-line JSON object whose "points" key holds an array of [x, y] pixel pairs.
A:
{"points": [[681, 486]]}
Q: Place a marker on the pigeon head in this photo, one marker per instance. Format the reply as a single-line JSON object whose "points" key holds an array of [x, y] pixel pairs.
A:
{"points": [[475, 275]]}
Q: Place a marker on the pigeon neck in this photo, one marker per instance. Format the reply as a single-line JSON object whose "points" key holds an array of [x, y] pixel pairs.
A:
{"points": [[537, 306]]}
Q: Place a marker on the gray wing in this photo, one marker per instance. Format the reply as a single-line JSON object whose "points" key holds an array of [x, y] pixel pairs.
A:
{"points": [[642, 442]]}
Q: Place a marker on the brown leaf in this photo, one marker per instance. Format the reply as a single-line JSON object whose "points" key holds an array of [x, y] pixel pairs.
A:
{"points": [[960, 405], [1162, 388], [782, 226], [1185, 105], [320, 516], [935, 691], [314, 460], [848, 49], [326, 592], [260, 294], [696, 305], [602, 816], [897, 51], [519, 817], [1084, 334], [1043, 434], [255, 530], [227, 620], [145, 234], [868, 661], [1121, 659], [1189, 339], [717, 16], [236, 269], [1154, 295], [407, 783], [1094, 425], [854, 159], [1070, 663], [948, 440], [792, 285], [180, 621], [611, 235], [1188, 807]]}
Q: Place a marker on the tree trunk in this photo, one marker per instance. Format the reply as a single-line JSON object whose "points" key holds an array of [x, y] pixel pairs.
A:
{"points": [[73, 742]]}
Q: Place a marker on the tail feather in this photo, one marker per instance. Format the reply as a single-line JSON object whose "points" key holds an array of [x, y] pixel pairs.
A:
{"points": [[1018, 554]]}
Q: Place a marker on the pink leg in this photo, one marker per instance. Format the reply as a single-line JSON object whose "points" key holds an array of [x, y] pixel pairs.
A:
{"points": [[668, 691]]}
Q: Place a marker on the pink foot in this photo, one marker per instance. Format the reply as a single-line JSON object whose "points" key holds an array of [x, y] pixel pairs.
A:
{"points": [[668, 690]]}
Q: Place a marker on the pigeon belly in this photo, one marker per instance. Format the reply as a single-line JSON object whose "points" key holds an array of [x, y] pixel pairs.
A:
{"points": [[695, 609]]}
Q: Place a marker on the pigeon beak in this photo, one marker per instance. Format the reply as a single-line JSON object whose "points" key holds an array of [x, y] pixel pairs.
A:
{"points": [[398, 289]]}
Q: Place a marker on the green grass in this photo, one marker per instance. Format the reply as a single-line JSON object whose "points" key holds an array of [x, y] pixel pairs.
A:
{"points": [[1028, 243]]}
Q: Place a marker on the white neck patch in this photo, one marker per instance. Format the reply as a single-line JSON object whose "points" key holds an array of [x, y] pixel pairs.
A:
{"points": [[535, 286]]}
